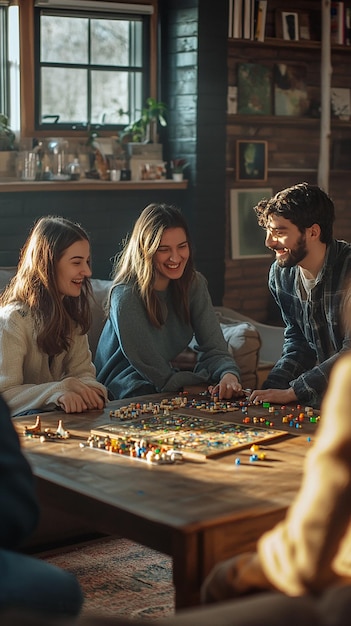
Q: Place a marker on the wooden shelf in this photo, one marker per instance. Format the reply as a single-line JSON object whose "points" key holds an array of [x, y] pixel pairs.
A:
{"points": [[276, 42], [282, 120], [86, 184]]}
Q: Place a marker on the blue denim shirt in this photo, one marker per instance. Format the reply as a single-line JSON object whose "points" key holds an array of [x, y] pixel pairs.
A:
{"points": [[314, 334]]}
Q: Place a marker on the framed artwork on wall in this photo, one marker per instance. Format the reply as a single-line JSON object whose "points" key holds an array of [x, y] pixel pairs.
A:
{"points": [[290, 26], [251, 160], [247, 237], [254, 89], [287, 25]]}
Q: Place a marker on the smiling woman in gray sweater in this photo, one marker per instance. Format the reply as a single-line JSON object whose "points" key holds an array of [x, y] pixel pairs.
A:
{"points": [[159, 304]]}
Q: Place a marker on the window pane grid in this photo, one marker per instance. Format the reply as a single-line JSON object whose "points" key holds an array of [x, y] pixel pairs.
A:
{"points": [[102, 64]]}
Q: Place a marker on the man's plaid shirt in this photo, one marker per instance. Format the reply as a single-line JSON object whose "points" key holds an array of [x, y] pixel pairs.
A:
{"points": [[314, 334]]}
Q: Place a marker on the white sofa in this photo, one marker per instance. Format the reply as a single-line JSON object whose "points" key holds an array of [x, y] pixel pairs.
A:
{"points": [[252, 344]]}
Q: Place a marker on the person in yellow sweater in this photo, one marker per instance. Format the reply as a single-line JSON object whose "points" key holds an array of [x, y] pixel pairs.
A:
{"points": [[308, 554]]}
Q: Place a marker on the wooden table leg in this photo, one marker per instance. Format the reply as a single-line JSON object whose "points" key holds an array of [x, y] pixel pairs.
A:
{"points": [[186, 569]]}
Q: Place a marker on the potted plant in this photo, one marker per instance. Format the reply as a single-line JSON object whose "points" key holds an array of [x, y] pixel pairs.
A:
{"points": [[144, 129], [7, 148], [7, 136], [177, 168]]}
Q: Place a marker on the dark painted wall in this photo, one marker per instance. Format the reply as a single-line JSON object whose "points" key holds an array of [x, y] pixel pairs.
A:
{"points": [[194, 84], [107, 216]]}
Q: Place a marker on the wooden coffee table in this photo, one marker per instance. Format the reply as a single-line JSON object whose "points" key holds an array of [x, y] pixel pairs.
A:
{"points": [[197, 512]]}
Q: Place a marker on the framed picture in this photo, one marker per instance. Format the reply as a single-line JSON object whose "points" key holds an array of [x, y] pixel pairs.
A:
{"points": [[291, 94], [254, 89], [290, 22], [247, 237], [304, 25], [251, 160]]}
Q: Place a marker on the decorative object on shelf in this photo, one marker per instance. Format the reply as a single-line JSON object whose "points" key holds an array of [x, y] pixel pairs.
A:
{"points": [[232, 100], [290, 26], [27, 165], [144, 129], [254, 89], [7, 136], [290, 90], [287, 25], [74, 169], [251, 160], [340, 103], [337, 23], [246, 235], [177, 169], [152, 171], [304, 26]]}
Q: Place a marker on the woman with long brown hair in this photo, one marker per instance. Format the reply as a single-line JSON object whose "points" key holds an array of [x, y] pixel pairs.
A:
{"points": [[158, 305], [45, 360]]}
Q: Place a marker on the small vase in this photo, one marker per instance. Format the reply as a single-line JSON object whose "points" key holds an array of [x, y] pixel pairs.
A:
{"points": [[177, 176]]}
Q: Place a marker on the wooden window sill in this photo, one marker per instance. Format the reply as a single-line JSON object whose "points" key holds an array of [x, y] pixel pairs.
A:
{"points": [[12, 184]]}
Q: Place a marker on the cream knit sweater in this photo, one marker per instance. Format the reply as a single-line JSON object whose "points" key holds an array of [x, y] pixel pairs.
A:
{"points": [[27, 379]]}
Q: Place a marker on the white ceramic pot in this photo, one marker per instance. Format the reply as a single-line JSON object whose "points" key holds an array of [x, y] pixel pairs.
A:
{"points": [[177, 176]]}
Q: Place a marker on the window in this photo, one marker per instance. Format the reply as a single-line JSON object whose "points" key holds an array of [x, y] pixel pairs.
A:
{"points": [[91, 68], [9, 64]]}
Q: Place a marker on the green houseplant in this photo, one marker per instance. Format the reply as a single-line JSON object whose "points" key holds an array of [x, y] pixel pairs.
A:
{"points": [[7, 136], [177, 168], [144, 129]]}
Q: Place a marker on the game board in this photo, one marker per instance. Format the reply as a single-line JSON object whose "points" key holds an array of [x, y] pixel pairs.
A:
{"points": [[196, 437]]}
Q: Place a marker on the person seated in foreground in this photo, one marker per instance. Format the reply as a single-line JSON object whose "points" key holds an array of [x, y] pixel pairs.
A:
{"points": [[309, 552], [307, 280], [45, 361], [158, 304], [27, 584]]}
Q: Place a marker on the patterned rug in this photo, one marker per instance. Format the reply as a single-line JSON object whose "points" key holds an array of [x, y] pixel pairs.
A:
{"points": [[119, 577]]}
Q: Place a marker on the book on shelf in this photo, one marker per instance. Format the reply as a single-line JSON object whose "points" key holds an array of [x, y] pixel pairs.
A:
{"points": [[337, 22], [348, 26], [304, 25], [340, 103], [237, 19], [260, 19], [247, 19], [230, 18]]}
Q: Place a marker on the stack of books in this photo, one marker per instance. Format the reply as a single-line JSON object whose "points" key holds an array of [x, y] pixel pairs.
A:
{"points": [[247, 19], [340, 23]]}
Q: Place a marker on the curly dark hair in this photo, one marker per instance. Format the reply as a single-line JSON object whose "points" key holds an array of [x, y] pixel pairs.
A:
{"points": [[303, 205]]}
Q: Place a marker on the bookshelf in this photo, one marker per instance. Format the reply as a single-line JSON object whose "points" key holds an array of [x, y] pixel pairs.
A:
{"points": [[293, 22], [300, 59], [293, 140]]}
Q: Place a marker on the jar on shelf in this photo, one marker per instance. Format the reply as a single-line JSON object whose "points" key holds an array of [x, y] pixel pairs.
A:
{"points": [[74, 169]]}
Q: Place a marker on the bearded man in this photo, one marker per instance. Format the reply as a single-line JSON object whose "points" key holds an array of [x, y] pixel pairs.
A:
{"points": [[308, 280]]}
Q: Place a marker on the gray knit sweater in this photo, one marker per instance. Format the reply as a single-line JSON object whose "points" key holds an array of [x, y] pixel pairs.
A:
{"points": [[134, 358]]}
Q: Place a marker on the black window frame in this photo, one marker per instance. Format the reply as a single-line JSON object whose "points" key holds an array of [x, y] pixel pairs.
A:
{"points": [[144, 70], [4, 63]]}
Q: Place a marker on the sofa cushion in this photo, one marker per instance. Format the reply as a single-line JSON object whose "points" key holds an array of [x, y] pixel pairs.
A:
{"points": [[100, 293], [243, 342], [101, 289]]}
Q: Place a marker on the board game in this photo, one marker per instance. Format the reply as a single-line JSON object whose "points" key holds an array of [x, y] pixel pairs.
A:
{"points": [[192, 436]]}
